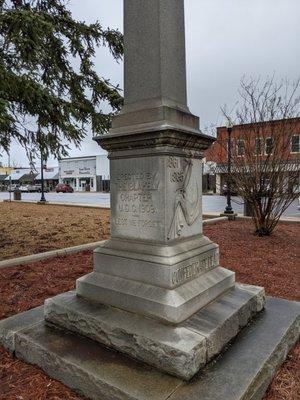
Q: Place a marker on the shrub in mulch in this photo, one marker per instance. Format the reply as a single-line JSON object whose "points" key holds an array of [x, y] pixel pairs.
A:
{"points": [[271, 262]]}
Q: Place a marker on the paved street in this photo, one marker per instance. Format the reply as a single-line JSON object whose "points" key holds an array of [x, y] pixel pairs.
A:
{"points": [[210, 203]]}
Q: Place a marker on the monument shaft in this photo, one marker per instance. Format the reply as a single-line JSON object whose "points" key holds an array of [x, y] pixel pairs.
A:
{"points": [[155, 67]]}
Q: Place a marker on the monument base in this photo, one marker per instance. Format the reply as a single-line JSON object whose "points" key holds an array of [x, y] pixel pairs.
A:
{"points": [[179, 350], [243, 372], [231, 216]]}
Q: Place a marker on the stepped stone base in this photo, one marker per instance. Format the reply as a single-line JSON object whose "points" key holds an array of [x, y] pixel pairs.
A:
{"points": [[166, 282], [179, 350], [243, 372], [171, 306]]}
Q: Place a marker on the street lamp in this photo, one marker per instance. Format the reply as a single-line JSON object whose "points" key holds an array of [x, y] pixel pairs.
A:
{"points": [[9, 174], [228, 209], [43, 200]]}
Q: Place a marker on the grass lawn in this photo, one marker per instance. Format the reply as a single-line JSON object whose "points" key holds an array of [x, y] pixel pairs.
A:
{"points": [[272, 262], [31, 228]]}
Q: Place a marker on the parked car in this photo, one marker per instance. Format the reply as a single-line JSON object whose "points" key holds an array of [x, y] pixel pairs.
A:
{"points": [[37, 187], [24, 188], [13, 187], [63, 188]]}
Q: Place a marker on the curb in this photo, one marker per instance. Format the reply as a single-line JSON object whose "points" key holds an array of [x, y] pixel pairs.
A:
{"points": [[13, 262], [216, 217], [288, 220], [214, 220], [49, 203]]}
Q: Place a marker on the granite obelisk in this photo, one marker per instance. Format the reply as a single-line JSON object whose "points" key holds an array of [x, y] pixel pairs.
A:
{"points": [[158, 269], [157, 262]]}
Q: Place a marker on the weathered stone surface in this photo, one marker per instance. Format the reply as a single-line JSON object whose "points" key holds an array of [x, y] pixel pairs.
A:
{"points": [[222, 320], [155, 149], [9, 326], [89, 368], [156, 201], [243, 372], [163, 266], [172, 306], [179, 350], [156, 198], [155, 67]]}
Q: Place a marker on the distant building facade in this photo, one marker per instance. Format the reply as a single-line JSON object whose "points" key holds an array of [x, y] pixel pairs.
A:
{"points": [[21, 176], [28, 176], [4, 173], [5, 170], [90, 173], [245, 135], [51, 177]]}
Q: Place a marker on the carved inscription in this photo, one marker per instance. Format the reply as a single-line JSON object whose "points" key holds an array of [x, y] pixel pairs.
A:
{"points": [[136, 206], [141, 223], [195, 269], [136, 182], [176, 173]]}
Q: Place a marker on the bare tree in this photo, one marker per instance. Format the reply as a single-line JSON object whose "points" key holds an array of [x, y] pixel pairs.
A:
{"points": [[265, 149]]}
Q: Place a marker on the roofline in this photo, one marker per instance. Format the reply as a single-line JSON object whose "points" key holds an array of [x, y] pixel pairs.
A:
{"points": [[275, 121], [77, 158]]}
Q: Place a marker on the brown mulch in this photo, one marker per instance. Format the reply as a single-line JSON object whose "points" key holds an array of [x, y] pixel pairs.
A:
{"points": [[286, 383], [271, 262], [27, 286], [32, 228], [20, 381]]}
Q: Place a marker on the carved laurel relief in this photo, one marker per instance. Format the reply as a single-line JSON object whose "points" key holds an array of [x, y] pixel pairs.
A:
{"points": [[187, 200]]}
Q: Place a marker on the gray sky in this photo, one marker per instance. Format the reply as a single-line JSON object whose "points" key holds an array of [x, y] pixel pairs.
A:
{"points": [[226, 39]]}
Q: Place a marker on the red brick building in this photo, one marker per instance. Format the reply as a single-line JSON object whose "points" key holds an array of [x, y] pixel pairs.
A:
{"points": [[256, 142]]}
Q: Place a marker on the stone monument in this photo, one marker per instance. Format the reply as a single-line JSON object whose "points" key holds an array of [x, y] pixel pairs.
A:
{"points": [[158, 269], [157, 292]]}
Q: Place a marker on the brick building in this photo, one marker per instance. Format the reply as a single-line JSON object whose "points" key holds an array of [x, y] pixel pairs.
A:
{"points": [[254, 143]]}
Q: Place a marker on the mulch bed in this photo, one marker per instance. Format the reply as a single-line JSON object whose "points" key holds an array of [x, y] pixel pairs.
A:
{"points": [[272, 262]]}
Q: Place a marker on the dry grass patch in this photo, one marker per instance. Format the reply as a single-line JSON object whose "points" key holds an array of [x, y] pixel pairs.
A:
{"points": [[31, 228]]}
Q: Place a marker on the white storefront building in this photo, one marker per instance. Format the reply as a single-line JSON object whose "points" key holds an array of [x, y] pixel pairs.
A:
{"points": [[85, 173]]}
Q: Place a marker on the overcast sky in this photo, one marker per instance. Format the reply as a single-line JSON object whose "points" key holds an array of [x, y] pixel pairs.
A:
{"points": [[226, 39]]}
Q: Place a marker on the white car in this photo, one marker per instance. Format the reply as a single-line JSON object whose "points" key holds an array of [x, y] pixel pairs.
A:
{"points": [[24, 188]]}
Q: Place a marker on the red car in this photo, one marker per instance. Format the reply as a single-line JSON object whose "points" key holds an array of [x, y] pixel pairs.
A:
{"points": [[63, 188]]}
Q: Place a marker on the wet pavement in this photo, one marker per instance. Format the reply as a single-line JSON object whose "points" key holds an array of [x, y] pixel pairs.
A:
{"points": [[211, 203]]}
